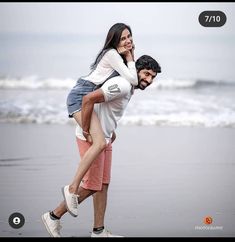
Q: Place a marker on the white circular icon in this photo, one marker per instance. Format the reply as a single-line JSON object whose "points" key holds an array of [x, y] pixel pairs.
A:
{"points": [[16, 220]]}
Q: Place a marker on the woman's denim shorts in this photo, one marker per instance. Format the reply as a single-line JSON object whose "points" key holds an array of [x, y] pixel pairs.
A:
{"points": [[74, 99]]}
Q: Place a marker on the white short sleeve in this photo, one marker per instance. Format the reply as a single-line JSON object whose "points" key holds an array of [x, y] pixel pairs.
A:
{"points": [[115, 88]]}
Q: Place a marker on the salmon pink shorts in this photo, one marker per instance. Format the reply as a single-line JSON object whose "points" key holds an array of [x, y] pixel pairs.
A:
{"points": [[100, 170]]}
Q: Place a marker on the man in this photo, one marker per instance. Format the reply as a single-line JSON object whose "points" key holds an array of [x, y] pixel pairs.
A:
{"points": [[109, 102]]}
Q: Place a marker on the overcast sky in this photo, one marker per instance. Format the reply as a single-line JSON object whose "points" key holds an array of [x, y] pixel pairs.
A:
{"points": [[86, 18]]}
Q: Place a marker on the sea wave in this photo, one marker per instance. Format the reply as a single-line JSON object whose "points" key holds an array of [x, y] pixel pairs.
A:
{"points": [[172, 83], [212, 107], [170, 119], [181, 120], [159, 120], [35, 82]]}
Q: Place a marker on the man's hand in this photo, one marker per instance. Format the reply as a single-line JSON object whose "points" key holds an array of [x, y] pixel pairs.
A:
{"points": [[88, 103], [87, 136], [113, 137]]}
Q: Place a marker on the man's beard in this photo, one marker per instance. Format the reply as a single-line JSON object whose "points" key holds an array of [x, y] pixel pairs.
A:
{"points": [[143, 86]]}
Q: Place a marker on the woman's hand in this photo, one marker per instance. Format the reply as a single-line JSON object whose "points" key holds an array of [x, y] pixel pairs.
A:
{"points": [[132, 50], [128, 54], [122, 50]]}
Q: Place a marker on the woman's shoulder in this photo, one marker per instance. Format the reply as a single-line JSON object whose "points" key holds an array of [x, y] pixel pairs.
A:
{"points": [[111, 52], [112, 55]]}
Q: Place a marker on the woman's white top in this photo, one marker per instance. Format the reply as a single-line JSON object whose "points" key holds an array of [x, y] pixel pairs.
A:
{"points": [[109, 62]]}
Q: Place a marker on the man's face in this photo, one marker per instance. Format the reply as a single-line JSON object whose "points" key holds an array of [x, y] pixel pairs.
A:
{"points": [[146, 78]]}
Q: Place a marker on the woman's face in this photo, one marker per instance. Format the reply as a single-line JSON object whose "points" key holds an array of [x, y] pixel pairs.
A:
{"points": [[126, 40]]}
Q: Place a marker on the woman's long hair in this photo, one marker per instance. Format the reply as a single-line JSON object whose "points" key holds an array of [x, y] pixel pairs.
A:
{"points": [[112, 41]]}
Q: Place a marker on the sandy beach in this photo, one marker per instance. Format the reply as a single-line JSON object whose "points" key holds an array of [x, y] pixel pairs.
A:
{"points": [[165, 180]]}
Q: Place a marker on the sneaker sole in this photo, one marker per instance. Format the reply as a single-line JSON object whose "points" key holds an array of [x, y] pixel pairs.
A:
{"points": [[74, 215], [48, 229]]}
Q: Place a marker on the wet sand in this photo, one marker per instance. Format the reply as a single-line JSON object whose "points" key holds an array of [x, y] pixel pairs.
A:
{"points": [[165, 180]]}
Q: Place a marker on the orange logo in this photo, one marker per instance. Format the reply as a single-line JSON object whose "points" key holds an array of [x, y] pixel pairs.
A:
{"points": [[207, 220]]}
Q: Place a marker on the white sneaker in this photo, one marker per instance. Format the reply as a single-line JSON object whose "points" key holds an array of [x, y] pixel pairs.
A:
{"points": [[71, 201], [104, 233], [53, 226]]}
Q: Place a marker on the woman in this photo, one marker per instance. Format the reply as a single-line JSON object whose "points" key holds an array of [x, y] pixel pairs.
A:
{"points": [[116, 57]]}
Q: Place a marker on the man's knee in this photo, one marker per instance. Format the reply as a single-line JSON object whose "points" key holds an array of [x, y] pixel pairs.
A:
{"points": [[104, 186]]}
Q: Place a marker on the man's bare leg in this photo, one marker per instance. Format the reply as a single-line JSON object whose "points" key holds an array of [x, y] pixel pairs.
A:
{"points": [[51, 219], [100, 203], [83, 194]]}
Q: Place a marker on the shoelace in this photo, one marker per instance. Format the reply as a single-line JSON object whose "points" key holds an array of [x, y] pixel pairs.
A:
{"points": [[108, 233], [57, 227], [75, 201]]}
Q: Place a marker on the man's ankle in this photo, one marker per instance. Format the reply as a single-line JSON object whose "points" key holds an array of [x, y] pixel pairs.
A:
{"points": [[53, 216], [98, 230]]}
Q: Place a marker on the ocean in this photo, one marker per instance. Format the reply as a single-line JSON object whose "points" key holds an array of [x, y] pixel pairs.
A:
{"points": [[196, 86]]}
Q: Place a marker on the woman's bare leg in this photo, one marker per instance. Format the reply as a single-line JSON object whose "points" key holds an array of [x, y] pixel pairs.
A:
{"points": [[96, 147]]}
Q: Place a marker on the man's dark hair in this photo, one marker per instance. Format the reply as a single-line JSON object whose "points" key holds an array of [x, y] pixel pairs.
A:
{"points": [[147, 62]]}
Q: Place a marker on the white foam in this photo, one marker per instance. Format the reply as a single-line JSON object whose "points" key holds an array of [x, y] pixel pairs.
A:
{"points": [[44, 101], [34, 82]]}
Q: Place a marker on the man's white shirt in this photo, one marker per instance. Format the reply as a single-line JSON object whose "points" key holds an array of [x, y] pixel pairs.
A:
{"points": [[117, 93]]}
